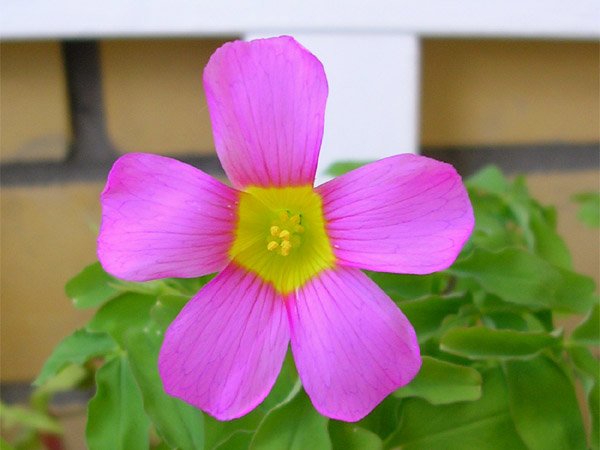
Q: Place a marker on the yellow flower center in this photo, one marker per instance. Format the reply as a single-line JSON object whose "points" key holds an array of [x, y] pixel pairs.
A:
{"points": [[280, 235]]}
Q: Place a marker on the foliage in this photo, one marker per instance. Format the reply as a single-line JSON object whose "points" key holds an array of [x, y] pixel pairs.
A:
{"points": [[498, 371], [589, 208]]}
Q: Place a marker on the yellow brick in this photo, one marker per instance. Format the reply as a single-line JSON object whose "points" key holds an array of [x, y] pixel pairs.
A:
{"points": [[47, 237], [34, 120], [485, 92], [154, 97]]}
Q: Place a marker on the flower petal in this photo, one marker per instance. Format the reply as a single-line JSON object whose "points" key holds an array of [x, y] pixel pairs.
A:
{"points": [[163, 218], [405, 214], [225, 348], [351, 343], [266, 100]]}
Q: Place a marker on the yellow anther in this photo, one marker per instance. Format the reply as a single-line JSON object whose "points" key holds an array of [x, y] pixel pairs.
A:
{"points": [[299, 229], [285, 235], [295, 219], [274, 230], [283, 215], [285, 248], [272, 245]]}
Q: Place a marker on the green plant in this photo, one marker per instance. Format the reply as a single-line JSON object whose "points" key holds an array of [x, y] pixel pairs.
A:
{"points": [[498, 370]]}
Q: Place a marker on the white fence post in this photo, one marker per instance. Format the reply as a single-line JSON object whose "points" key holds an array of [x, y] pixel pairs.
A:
{"points": [[372, 109]]}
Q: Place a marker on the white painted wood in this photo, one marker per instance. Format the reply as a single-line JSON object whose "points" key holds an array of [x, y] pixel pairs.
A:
{"points": [[373, 95], [44, 19]]}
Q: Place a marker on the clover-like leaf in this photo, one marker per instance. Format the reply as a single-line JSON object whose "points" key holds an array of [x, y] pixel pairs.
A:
{"points": [[548, 244], [179, 424], [440, 382], [116, 418], [544, 405], [488, 179], [78, 348], [166, 309], [121, 314], [483, 424], [589, 208], [483, 342], [427, 314], [91, 287], [518, 276], [293, 425], [588, 331], [588, 367], [349, 436], [341, 167]]}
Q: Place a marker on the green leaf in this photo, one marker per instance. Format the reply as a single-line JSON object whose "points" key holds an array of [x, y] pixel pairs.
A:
{"points": [[589, 368], [576, 292], [489, 179], [491, 213], [5, 445], [349, 436], [520, 277], [440, 382], [66, 379], [589, 208], [237, 441], [483, 424], [406, 287], [26, 417], [544, 405], [483, 342], [294, 425], [116, 418], [505, 321], [217, 433], [190, 286], [512, 274], [548, 244], [153, 287], [383, 420], [584, 361], [161, 446], [125, 312], [491, 217], [91, 287], [342, 167], [427, 314], [594, 406], [588, 332], [285, 384], [78, 348], [167, 307], [521, 206], [180, 425]]}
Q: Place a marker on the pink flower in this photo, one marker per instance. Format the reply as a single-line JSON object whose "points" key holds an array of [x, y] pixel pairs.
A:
{"points": [[289, 254]]}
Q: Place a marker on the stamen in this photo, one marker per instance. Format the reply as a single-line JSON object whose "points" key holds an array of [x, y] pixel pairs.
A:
{"points": [[285, 248], [285, 235], [288, 260]]}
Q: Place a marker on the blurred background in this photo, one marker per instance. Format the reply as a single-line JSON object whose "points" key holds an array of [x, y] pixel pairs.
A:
{"points": [[517, 87]]}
